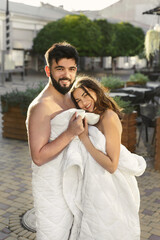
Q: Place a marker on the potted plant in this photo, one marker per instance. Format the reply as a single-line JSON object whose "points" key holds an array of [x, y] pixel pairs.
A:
{"points": [[129, 124], [152, 42], [14, 110], [137, 79], [157, 142], [112, 82]]}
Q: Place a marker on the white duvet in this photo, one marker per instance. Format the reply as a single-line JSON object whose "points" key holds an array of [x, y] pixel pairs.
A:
{"points": [[76, 199]]}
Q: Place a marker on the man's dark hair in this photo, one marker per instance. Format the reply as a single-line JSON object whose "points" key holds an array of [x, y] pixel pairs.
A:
{"points": [[59, 51]]}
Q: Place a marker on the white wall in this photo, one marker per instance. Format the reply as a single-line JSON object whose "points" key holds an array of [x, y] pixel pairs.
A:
{"points": [[131, 62], [131, 11]]}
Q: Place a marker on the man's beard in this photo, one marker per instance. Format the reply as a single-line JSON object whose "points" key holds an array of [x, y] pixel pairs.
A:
{"points": [[58, 87]]}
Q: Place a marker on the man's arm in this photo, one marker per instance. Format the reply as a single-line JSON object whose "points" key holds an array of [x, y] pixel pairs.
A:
{"points": [[43, 151]]}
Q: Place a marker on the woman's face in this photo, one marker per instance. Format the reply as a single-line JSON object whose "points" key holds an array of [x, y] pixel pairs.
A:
{"points": [[84, 100]]}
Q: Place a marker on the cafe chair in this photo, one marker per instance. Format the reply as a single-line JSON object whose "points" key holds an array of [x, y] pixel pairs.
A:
{"points": [[149, 96], [147, 116], [157, 95]]}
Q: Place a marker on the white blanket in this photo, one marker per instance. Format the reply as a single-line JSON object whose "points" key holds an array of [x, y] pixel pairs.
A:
{"points": [[76, 199]]}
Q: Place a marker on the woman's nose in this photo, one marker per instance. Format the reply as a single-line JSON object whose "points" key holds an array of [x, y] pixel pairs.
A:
{"points": [[84, 102]]}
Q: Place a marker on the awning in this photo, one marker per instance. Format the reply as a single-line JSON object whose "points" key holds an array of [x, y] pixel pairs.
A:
{"points": [[155, 11]]}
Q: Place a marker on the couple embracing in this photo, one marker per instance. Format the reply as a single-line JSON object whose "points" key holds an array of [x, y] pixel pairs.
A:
{"points": [[83, 178]]}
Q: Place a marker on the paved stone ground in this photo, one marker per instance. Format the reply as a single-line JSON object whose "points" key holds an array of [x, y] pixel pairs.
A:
{"points": [[15, 183]]}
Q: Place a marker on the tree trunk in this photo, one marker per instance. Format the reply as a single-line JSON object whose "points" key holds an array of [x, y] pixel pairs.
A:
{"points": [[113, 65]]}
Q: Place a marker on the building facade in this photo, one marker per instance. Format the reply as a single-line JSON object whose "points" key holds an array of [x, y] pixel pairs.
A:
{"points": [[26, 21], [128, 11]]}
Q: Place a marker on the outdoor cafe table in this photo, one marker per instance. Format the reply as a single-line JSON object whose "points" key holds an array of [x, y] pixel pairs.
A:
{"points": [[137, 89], [143, 94], [153, 84]]}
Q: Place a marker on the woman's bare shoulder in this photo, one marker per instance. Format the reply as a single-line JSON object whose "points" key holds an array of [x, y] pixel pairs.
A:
{"points": [[110, 115], [110, 120]]}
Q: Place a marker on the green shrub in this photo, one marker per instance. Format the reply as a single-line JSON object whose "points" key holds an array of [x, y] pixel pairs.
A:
{"points": [[20, 98], [112, 82], [139, 78], [125, 105]]}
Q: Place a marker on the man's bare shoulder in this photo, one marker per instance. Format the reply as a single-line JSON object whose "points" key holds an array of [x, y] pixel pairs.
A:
{"points": [[36, 112], [46, 104], [43, 104], [40, 102]]}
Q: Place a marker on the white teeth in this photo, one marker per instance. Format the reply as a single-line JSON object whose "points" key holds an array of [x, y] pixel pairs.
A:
{"points": [[88, 106]]}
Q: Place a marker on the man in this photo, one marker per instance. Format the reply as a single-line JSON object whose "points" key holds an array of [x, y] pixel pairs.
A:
{"points": [[54, 219], [61, 69]]}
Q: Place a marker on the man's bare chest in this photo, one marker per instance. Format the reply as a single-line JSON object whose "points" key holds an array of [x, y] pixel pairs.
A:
{"points": [[57, 108]]}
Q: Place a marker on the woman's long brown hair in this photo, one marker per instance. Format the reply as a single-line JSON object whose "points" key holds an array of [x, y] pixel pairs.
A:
{"points": [[104, 101]]}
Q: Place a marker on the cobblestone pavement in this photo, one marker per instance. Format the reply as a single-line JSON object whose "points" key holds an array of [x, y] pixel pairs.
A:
{"points": [[16, 193]]}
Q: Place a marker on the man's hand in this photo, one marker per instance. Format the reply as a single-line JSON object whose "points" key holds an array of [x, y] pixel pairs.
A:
{"points": [[75, 126]]}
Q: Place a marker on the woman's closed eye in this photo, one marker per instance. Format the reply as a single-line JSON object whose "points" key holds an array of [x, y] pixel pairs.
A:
{"points": [[83, 96], [77, 100]]}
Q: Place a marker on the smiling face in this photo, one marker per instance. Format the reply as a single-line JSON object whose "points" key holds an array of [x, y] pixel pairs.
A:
{"points": [[85, 99], [63, 74]]}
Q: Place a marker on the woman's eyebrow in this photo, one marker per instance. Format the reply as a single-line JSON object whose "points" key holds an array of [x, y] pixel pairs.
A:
{"points": [[81, 95]]}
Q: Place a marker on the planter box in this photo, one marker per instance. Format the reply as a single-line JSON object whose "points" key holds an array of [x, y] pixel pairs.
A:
{"points": [[131, 84], [129, 125], [157, 145], [13, 125]]}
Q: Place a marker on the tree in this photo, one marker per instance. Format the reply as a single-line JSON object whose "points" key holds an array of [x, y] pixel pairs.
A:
{"points": [[78, 30], [127, 40], [107, 31], [92, 38], [120, 39]]}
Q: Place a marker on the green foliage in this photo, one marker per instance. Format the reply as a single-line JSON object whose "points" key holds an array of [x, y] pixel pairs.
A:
{"points": [[78, 30], [112, 82], [20, 98], [126, 40], [125, 105], [107, 32], [91, 38], [139, 78], [45, 38]]}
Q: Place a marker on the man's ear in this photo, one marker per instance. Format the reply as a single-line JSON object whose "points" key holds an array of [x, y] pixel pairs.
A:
{"points": [[47, 70]]}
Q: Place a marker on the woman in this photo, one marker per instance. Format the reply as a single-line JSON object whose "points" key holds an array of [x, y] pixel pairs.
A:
{"points": [[89, 96], [110, 207]]}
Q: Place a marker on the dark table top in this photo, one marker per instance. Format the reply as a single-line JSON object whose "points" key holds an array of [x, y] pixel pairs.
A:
{"points": [[136, 89], [124, 96], [136, 95]]}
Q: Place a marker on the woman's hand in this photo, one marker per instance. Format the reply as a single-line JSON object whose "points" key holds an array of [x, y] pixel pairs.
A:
{"points": [[84, 134]]}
